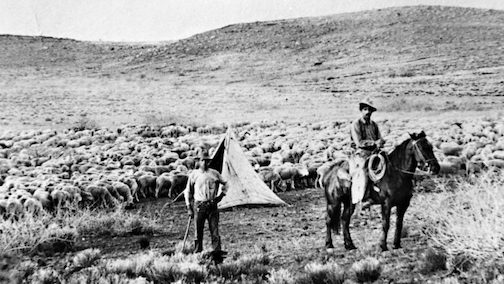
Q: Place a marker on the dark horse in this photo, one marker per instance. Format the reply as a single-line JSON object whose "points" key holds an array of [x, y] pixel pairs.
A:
{"points": [[396, 188]]}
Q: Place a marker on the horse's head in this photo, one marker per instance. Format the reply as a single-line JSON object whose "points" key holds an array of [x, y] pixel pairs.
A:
{"points": [[424, 154]]}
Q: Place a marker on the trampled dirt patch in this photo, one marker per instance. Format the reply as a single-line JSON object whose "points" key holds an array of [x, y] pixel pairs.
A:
{"points": [[292, 236]]}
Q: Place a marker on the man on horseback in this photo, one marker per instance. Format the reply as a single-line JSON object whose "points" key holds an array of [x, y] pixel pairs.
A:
{"points": [[366, 138]]}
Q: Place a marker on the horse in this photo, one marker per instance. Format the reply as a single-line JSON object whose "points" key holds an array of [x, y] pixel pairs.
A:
{"points": [[396, 188]]}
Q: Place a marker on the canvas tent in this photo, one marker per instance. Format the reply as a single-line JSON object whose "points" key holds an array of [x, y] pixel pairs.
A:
{"points": [[244, 185]]}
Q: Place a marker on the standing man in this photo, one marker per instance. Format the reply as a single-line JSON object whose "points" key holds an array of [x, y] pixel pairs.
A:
{"points": [[366, 138], [201, 200]]}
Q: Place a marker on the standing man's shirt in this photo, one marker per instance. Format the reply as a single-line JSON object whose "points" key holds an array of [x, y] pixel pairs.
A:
{"points": [[203, 186], [364, 134]]}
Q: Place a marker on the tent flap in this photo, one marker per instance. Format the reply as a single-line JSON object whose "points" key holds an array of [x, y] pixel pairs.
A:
{"points": [[244, 185]]}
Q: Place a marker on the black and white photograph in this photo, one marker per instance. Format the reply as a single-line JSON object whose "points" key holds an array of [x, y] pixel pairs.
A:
{"points": [[252, 141]]}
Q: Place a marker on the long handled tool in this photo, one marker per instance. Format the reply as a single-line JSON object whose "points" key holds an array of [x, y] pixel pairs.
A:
{"points": [[169, 203], [187, 232]]}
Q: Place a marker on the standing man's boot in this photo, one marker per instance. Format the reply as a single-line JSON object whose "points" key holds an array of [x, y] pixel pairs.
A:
{"points": [[198, 246]]}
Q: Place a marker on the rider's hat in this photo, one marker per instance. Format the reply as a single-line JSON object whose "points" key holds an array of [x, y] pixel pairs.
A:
{"points": [[367, 103]]}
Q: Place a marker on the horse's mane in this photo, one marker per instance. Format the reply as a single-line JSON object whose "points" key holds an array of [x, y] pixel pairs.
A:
{"points": [[393, 154]]}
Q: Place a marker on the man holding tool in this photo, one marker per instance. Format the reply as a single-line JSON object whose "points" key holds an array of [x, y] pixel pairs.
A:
{"points": [[201, 200]]}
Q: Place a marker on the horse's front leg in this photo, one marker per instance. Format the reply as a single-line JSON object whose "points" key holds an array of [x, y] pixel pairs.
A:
{"points": [[401, 210], [347, 213], [385, 208]]}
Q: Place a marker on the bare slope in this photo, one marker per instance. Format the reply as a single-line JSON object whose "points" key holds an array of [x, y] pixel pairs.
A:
{"points": [[422, 58], [403, 42]]}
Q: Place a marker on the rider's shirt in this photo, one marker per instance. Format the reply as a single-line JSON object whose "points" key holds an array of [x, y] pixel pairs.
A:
{"points": [[364, 134]]}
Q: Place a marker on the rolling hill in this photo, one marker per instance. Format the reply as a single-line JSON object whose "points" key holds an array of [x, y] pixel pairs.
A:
{"points": [[402, 57]]}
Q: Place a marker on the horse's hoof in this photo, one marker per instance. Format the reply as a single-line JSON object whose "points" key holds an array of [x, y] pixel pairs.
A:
{"points": [[329, 250], [350, 247], [384, 248], [397, 247], [329, 246]]}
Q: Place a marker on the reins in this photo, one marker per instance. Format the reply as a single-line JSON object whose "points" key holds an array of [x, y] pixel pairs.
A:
{"points": [[421, 156]]}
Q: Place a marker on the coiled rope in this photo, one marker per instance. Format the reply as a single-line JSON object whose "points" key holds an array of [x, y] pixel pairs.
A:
{"points": [[376, 173]]}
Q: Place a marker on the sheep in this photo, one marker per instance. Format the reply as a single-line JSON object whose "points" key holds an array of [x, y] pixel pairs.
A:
{"points": [[44, 197], [60, 198], [133, 185], [124, 191], [289, 172], [15, 209], [146, 183], [102, 196], [111, 189], [163, 182], [33, 206], [269, 176]]}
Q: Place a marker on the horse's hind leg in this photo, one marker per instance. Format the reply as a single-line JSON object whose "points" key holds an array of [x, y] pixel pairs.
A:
{"points": [[401, 210], [347, 213], [332, 222], [385, 208]]}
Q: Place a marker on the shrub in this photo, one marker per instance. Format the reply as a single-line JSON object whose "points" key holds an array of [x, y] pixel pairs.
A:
{"points": [[468, 218], [433, 260], [160, 269], [281, 276], [86, 258], [403, 104], [98, 274], [461, 262], [30, 235], [84, 123], [189, 247], [167, 119], [24, 270], [164, 271], [195, 275], [253, 265], [330, 273], [8, 263], [367, 270], [116, 223], [45, 276]]}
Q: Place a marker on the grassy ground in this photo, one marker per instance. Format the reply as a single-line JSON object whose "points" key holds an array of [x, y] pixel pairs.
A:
{"points": [[448, 235]]}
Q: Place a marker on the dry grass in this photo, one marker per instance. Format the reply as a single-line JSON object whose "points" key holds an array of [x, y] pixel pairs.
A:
{"points": [[407, 104], [367, 270], [329, 272], [56, 233], [158, 268], [36, 234], [84, 123], [173, 118], [280, 276], [115, 223], [253, 266], [434, 260], [86, 258], [469, 217]]}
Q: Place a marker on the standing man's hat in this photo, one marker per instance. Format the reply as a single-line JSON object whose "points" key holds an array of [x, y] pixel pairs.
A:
{"points": [[204, 156], [366, 103]]}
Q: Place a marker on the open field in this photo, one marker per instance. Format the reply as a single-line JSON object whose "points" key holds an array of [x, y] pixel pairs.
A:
{"points": [[75, 113]]}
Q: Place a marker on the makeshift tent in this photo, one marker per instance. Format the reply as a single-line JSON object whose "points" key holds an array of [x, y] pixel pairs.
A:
{"points": [[244, 185]]}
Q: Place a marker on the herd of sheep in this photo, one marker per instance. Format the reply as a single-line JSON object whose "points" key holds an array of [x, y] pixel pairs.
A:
{"points": [[50, 170]]}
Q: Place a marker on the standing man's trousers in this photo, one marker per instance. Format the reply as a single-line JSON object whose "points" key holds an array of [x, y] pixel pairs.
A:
{"points": [[206, 211]]}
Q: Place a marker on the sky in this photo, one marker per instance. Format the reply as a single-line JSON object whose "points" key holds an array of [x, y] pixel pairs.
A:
{"points": [[160, 20]]}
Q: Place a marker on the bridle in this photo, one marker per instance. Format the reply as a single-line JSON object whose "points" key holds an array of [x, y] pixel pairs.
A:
{"points": [[421, 157]]}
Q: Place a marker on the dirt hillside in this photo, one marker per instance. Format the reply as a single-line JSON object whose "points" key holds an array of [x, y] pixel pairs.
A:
{"points": [[411, 59]]}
